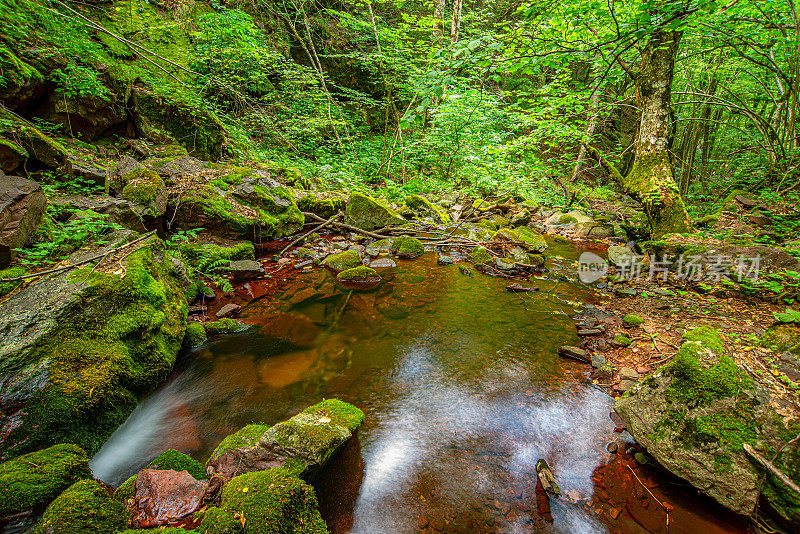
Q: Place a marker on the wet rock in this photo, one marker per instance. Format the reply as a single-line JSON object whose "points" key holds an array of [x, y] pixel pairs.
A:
{"points": [[480, 255], [574, 353], [360, 278], [590, 331], [33, 480], [625, 292], [341, 261], [163, 496], [612, 447], [593, 230], [443, 259], [324, 205], [604, 372], [245, 270], [423, 208], [86, 507], [521, 219], [22, 204], [598, 360], [524, 236], [516, 287], [407, 248], [366, 213], [504, 264], [302, 445], [626, 373], [77, 168], [229, 311]]}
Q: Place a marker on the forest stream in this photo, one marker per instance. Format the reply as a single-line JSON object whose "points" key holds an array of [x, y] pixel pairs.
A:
{"points": [[463, 392]]}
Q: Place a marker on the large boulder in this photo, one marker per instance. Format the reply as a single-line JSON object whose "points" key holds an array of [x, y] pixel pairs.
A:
{"points": [[119, 210], [33, 480], [165, 496], [301, 446], [425, 209], [528, 239], [367, 213], [695, 415], [273, 502], [78, 348], [86, 116], [22, 204], [86, 507]]}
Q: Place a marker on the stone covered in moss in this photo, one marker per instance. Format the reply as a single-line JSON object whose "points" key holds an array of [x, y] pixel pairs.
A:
{"points": [[273, 502], [632, 320], [368, 214], [407, 247], [35, 479], [425, 209], [126, 490], [223, 326], [86, 507], [527, 238], [146, 190], [360, 277], [244, 438], [94, 344], [219, 521], [325, 207], [11, 272], [195, 335], [38, 146], [177, 461], [341, 261], [622, 341], [480, 255]]}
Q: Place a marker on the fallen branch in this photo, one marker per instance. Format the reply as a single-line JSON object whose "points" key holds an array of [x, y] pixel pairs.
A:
{"points": [[79, 263], [316, 228], [347, 227], [771, 468]]}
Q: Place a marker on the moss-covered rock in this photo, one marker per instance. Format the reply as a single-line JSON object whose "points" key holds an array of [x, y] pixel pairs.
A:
{"points": [[622, 341], [195, 335], [361, 278], [407, 247], [273, 502], [480, 255], [86, 507], [35, 479], [425, 209], [367, 213], [200, 255], [126, 490], [145, 189], [38, 146], [177, 461], [341, 261], [527, 238], [224, 326], [325, 207], [11, 272], [248, 436], [94, 343], [219, 521], [632, 320]]}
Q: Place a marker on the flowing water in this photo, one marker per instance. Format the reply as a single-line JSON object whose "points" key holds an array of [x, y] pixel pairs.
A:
{"points": [[463, 393]]}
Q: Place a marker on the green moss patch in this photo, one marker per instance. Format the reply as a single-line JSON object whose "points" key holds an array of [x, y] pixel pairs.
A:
{"points": [[622, 340], [529, 239], [368, 214], [219, 521], [480, 255], [356, 274], [246, 437], [632, 320], [407, 247], [12, 272], [142, 186], [35, 479], [177, 461], [341, 261], [86, 507], [422, 207], [195, 335], [224, 326], [273, 502]]}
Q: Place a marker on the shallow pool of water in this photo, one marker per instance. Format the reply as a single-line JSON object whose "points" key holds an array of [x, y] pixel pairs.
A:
{"points": [[463, 393]]}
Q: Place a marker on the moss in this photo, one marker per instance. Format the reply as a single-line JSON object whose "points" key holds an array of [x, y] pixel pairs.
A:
{"points": [[11, 272], [84, 508], [121, 340], [480, 255], [622, 340], [224, 326], [567, 219], [422, 207], [304, 253], [160, 530], [407, 247], [33, 480], [529, 239], [126, 490], [246, 437], [273, 502], [340, 413], [142, 186], [323, 207], [368, 214], [177, 461], [488, 224], [359, 273], [694, 384], [341, 261], [632, 320], [707, 336], [219, 521], [38, 146], [195, 334]]}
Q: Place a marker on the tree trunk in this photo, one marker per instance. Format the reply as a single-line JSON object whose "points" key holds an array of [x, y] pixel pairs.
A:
{"points": [[591, 130], [455, 25], [651, 180], [438, 18]]}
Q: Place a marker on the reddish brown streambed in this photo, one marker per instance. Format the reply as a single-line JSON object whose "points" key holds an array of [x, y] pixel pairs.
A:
{"points": [[463, 393]]}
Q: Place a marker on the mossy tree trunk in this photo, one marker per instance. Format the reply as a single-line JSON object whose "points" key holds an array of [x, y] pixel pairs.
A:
{"points": [[651, 180]]}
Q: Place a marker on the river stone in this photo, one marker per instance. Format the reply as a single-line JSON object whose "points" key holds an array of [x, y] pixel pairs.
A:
{"points": [[574, 353], [593, 230], [383, 263], [164, 496], [443, 259], [598, 360], [22, 204], [366, 213], [620, 256], [504, 264], [424, 209], [625, 292], [626, 373], [245, 270], [521, 219], [302, 445]]}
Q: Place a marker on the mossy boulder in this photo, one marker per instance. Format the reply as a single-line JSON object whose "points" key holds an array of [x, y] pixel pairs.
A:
{"points": [[480, 255], [78, 349], [425, 209], [695, 414], [195, 335], [224, 326], [86, 507], [341, 261], [407, 247], [361, 278], [632, 320], [145, 189], [38, 146], [322, 206], [527, 238], [219, 521], [33, 480], [301, 445], [178, 461], [622, 341], [367, 213], [273, 502]]}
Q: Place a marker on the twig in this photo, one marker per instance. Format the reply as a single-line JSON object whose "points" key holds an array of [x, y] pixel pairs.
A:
{"points": [[341, 310], [318, 227], [771, 467], [79, 263]]}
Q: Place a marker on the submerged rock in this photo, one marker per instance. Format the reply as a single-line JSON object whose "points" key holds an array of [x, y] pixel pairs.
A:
{"points": [[368, 214], [245, 270], [301, 446], [35, 479], [593, 230], [694, 415], [86, 507]]}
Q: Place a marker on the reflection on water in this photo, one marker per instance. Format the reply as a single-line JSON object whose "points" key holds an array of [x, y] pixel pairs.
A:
{"points": [[460, 382]]}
